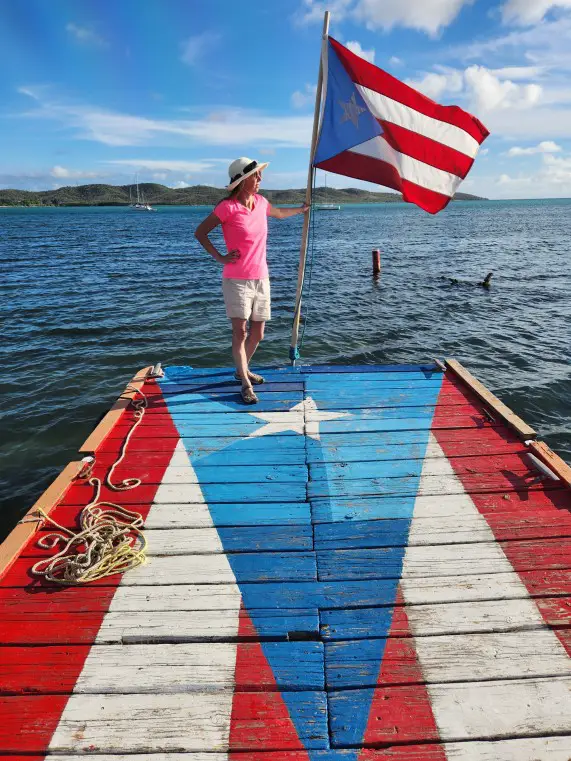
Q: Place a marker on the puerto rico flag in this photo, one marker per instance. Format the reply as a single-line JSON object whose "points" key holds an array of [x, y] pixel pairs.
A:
{"points": [[379, 129]]}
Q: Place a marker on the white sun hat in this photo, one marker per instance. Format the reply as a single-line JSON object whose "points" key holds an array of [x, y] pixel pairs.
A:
{"points": [[242, 168]]}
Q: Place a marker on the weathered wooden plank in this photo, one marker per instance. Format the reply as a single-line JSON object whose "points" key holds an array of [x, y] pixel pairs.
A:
{"points": [[427, 486], [492, 402], [407, 421], [369, 398], [413, 445], [526, 503], [425, 371], [527, 749], [162, 668], [449, 658], [137, 627], [231, 457], [208, 540], [200, 387], [196, 429], [552, 460], [200, 569], [464, 711], [242, 421], [328, 595], [453, 618], [179, 722], [81, 493], [223, 405], [390, 532], [442, 560], [433, 466], [204, 474], [407, 436]]}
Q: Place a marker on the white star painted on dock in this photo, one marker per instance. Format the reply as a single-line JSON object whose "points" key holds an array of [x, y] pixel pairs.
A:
{"points": [[351, 111], [295, 420]]}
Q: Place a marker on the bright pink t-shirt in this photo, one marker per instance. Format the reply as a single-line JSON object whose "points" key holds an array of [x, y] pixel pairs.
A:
{"points": [[247, 231]]}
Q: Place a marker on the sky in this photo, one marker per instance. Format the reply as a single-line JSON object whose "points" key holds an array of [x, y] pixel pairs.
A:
{"points": [[174, 90]]}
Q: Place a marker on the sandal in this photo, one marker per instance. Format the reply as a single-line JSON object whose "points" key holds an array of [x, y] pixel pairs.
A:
{"points": [[248, 395], [254, 378]]}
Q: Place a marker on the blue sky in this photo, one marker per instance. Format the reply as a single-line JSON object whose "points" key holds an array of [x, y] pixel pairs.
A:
{"points": [[96, 91]]}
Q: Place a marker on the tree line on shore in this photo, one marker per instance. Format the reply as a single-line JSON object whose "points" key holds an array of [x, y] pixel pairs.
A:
{"points": [[196, 195]]}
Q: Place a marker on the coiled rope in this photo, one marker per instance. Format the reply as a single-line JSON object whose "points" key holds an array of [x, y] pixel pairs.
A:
{"points": [[110, 539]]}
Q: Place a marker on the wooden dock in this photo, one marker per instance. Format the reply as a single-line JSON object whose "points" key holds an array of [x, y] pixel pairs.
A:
{"points": [[366, 566]]}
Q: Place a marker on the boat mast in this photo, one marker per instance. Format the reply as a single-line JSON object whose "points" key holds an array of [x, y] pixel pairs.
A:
{"points": [[293, 350]]}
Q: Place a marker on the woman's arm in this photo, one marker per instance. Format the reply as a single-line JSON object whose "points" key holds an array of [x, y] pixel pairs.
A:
{"points": [[285, 213], [201, 235]]}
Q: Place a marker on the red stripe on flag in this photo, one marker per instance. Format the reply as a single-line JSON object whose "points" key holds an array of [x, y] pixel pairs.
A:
{"points": [[274, 727], [380, 172], [427, 150], [397, 712], [366, 74]]}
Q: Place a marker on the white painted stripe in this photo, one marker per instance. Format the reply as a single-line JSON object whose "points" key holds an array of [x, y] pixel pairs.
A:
{"points": [[169, 626], [389, 110], [410, 169], [177, 597], [189, 667], [159, 722], [484, 709], [144, 723], [162, 516]]}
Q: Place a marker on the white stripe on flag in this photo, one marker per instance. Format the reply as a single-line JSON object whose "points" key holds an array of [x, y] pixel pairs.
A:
{"points": [[408, 168], [387, 109]]}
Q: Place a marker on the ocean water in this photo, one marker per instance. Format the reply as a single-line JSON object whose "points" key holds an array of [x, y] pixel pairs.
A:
{"points": [[91, 295]]}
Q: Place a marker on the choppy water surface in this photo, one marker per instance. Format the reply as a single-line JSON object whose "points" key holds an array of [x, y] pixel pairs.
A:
{"points": [[91, 295]]}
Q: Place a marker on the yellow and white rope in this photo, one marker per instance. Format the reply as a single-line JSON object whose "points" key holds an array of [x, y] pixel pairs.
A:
{"points": [[110, 539]]}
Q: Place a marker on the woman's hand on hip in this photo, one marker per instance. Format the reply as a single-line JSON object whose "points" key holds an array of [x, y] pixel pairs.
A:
{"points": [[230, 258]]}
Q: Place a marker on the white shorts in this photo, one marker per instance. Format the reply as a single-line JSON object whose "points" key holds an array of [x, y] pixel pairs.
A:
{"points": [[247, 299]]}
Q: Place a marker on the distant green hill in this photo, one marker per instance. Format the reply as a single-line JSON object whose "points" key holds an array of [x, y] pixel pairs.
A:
{"points": [[197, 195]]}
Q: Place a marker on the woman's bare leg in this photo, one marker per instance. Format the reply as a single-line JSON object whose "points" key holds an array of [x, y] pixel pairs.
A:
{"points": [[239, 337], [254, 337]]}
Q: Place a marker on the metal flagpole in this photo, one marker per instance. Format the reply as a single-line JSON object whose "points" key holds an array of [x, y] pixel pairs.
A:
{"points": [[293, 351]]}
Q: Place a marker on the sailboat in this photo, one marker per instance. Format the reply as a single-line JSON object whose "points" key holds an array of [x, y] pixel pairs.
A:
{"points": [[141, 204], [326, 206]]}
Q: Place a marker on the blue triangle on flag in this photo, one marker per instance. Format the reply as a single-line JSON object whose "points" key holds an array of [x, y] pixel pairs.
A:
{"points": [[309, 594], [347, 121]]}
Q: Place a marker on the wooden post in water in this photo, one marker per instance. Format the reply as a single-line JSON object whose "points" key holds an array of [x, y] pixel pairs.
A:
{"points": [[293, 351], [376, 262]]}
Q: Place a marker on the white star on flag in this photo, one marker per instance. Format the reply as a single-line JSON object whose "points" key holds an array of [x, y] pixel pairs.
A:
{"points": [[351, 111], [294, 420]]}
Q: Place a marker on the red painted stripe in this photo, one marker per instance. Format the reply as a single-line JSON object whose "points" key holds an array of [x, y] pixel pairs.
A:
{"points": [[274, 727], [364, 73], [533, 555], [401, 714], [28, 724], [380, 172], [40, 669], [426, 149]]}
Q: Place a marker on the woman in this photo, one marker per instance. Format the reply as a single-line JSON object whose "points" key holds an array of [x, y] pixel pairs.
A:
{"points": [[245, 280]]}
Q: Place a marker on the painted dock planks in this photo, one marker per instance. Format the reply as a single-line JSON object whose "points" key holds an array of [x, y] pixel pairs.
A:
{"points": [[387, 516]]}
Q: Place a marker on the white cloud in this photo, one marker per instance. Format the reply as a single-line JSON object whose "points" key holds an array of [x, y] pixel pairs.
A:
{"points": [[180, 184], [305, 97], [85, 35], [518, 72], [72, 174], [435, 84], [233, 127], [395, 61], [428, 16], [547, 146], [488, 92], [530, 11], [194, 48], [355, 47]]}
